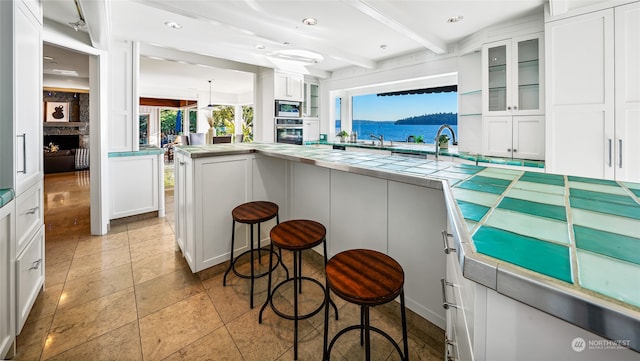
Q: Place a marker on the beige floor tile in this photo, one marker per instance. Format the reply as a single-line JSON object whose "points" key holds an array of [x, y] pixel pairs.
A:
{"points": [[152, 247], [46, 302], [96, 285], [32, 338], [95, 244], [154, 221], [150, 232], [218, 346], [96, 262], [83, 323], [122, 344], [166, 290], [151, 267], [267, 340], [166, 331], [55, 274], [62, 250]]}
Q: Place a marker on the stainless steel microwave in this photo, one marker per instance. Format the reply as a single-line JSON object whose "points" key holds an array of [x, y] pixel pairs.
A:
{"points": [[289, 109]]}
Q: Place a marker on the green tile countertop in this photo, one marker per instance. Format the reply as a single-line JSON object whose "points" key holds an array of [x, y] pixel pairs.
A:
{"points": [[6, 195], [429, 149], [142, 151], [577, 236], [567, 228]]}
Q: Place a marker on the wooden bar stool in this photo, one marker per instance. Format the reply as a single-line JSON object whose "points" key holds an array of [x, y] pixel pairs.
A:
{"points": [[366, 278], [253, 213], [296, 236]]}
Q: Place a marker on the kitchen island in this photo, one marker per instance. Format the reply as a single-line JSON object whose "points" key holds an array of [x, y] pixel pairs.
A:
{"points": [[530, 237]]}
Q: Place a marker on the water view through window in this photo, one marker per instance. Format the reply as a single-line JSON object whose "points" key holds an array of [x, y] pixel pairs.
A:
{"points": [[416, 117]]}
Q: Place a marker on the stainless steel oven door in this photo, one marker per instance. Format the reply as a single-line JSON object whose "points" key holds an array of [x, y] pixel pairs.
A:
{"points": [[289, 134]]}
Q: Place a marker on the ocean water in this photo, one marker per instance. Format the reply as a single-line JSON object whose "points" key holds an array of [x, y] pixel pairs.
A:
{"points": [[397, 133]]}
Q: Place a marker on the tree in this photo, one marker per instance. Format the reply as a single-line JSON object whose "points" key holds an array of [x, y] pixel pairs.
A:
{"points": [[247, 123]]}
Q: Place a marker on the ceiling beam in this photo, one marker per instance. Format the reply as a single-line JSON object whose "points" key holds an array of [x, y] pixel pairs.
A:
{"points": [[365, 7], [96, 18]]}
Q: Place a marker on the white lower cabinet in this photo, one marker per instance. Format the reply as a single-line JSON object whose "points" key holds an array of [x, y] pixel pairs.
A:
{"points": [[7, 281], [136, 185], [29, 215], [514, 137], [29, 277]]}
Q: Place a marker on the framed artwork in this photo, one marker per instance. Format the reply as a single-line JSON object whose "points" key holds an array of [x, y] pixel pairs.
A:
{"points": [[57, 112]]}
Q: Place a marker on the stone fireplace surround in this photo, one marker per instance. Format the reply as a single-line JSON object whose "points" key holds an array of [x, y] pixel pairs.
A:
{"points": [[75, 133]]}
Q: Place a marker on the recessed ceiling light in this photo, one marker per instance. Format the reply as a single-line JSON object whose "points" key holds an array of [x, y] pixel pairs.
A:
{"points": [[260, 47], [455, 19], [46, 57], [286, 43], [383, 46], [173, 24], [309, 21]]}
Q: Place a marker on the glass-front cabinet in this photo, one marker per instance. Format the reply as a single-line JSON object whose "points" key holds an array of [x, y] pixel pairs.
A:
{"points": [[513, 75], [311, 103]]}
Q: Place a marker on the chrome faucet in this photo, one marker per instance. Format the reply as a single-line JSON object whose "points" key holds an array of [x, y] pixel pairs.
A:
{"points": [[453, 136], [380, 138]]}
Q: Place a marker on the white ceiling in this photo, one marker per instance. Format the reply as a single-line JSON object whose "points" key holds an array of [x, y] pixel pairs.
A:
{"points": [[348, 33]]}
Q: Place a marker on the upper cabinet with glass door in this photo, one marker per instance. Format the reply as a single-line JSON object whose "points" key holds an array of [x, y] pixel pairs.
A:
{"points": [[513, 76], [311, 102]]}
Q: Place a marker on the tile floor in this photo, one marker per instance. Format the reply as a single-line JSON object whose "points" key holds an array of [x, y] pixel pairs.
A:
{"points": [[130, 296]]}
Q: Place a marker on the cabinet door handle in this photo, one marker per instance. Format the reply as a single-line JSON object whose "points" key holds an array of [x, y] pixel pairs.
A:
{"points": [[508, 108], [448, 342], [181, 163], [609, 152], [32, 210], [515, 107], [445, 241], [620, 153], [446, 304], [35, 264], [24, 153], [508, 149], [514, 150]]}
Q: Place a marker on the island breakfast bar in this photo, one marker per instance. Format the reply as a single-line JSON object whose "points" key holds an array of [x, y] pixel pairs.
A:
{"points": [[515, 242]]}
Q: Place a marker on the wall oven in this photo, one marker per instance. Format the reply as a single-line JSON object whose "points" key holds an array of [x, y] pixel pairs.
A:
{"points": [[289, 130], [289, 109]]}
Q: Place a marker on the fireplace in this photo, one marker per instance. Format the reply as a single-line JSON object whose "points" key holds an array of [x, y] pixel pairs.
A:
{"points": [[63, 141]]}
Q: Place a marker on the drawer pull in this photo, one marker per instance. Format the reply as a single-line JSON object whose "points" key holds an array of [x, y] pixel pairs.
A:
{"points": [[24, 153], [446, 304], [445, 241], [35, 264], [32, 210]]}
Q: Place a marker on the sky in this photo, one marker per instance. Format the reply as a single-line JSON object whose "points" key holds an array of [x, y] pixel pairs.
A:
{"points": [[391, 108]]}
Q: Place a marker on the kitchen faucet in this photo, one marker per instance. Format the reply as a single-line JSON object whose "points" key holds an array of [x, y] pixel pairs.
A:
{"points": [[453, 136], [380, 139]]}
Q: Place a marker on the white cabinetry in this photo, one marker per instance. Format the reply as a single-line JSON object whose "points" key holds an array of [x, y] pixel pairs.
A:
{"points": [[514, 136], [513, 98], [7, 280], [288, 86], [27, 96], [310, 130], [21, 88], [593, 97], [513, 76], [141, 190], [29, 277], [311, 102]]}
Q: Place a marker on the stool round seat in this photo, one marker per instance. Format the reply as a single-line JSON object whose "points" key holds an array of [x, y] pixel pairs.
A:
{"points": [[254, 212], [299, 234], [365, 277]]}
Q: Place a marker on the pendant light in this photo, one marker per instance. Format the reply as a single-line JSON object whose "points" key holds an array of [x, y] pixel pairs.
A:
{"points": [[210, 106]]}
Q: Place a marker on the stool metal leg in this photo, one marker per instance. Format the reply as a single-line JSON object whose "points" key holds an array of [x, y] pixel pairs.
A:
{"points": [[404, 326], [252, 270], [233, 234], [362, 323], [269, 283], [296, 284], [367, 334]]}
